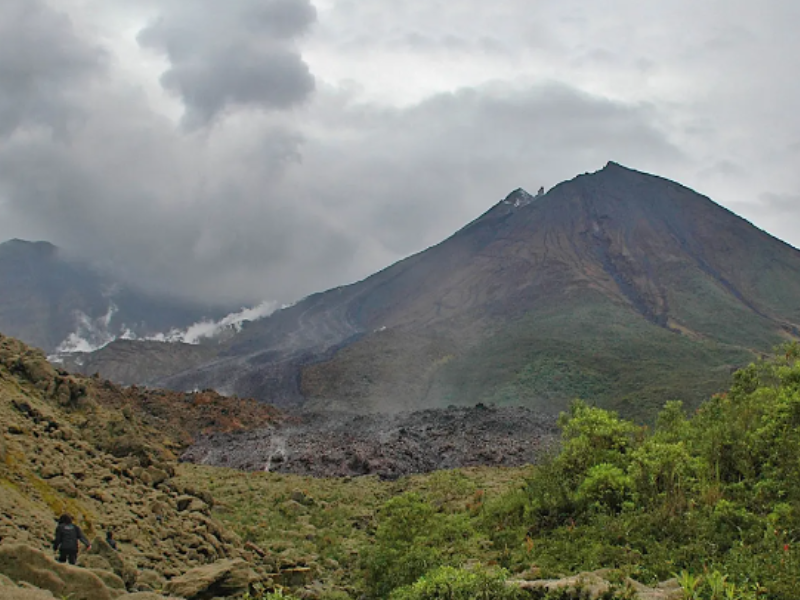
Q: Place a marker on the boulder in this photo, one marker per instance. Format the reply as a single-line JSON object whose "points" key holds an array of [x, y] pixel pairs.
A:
{"points": [[301, 497], [93, 561], [50, 470], [222, 578], [64, 485], [22, 563], [666, 590], [595, 586], [112, 580], [157, 475], [191, 504], [150, 580], [100, 495], [101, 549], [26, 594], [588, 586]]}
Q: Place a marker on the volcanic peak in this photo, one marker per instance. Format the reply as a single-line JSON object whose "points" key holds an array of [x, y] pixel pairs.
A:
{"points": [[519, 197]]}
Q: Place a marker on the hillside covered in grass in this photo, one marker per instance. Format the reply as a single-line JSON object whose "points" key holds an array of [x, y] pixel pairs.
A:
{"points": [[701, 505]]}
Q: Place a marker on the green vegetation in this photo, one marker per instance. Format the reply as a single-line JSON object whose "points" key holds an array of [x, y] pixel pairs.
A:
{"points": [[710, 498], [586, 346]]}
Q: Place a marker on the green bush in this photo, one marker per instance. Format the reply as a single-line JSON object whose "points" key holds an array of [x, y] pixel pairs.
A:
{"points": [[411, 539], [450, 583], [606, 487]]}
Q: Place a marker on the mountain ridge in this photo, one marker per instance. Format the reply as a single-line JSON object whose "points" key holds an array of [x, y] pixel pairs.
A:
{"points": [[534, 303]]}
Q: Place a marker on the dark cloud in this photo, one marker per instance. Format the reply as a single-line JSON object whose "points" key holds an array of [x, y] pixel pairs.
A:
{"points": [[407, 178], [272, 204], [43, 64], [260, 211], [239, 55]]}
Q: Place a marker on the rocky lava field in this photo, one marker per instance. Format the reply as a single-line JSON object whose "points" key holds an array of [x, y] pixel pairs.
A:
{"points": [[386, 445]]}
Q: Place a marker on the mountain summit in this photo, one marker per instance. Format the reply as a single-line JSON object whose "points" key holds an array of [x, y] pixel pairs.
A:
{"points": [[619, 287]]}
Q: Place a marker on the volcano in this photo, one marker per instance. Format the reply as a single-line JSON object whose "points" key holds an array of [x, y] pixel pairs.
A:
{"points": [[618, 287]]}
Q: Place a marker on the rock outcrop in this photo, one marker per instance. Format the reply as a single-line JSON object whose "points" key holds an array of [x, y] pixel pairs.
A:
{"points": [[22, 563], [223, 578], [106, 455], [596, 585]]}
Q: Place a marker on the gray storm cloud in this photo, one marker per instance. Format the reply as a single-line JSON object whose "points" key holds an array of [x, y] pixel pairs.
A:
{"points": [[43, 65], [280, 182], [239, 53]]}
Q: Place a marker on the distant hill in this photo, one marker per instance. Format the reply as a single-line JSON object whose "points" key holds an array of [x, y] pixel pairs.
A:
{"points": [[45, 297], [619, 287]]}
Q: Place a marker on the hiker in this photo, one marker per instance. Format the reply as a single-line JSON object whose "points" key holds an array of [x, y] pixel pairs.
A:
{"points": [[110, 539], [67, 537]]}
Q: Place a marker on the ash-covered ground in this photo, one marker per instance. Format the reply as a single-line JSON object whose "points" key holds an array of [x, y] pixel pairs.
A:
{"points": [[390, 446]]}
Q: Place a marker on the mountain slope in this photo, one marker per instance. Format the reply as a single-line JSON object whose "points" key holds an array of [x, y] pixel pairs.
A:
{"points": [[45, 297], [107, 456], [615, 286]]}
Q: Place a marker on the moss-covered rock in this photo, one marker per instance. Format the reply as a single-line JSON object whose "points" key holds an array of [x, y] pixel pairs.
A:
{"points": [[23, 563], [222, 578]]}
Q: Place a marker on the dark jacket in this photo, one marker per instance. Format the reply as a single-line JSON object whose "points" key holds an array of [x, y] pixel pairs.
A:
{"points": [[67, 536]]}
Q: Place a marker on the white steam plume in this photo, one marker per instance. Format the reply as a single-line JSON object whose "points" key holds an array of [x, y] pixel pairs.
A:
{"points": [[210, 329], [93, 334]]}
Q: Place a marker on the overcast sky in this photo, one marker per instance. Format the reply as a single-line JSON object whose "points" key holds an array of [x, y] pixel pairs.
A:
{"points": [[254, 150]]}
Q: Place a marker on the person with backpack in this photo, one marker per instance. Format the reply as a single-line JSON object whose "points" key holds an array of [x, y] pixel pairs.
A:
{"points": [[110, 540], [66, 541]]}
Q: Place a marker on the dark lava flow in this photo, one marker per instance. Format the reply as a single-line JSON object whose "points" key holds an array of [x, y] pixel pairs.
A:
{"points": [[390, 446]]}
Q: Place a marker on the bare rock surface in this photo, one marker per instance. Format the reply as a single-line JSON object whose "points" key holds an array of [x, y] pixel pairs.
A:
{"points": [[390, 446], [596, 586]]}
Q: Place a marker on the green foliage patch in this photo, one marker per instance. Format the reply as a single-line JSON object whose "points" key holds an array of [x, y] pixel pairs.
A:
{"points": [[709, 497]]}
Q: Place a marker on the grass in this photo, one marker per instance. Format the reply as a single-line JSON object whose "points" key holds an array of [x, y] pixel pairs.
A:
{"points": [[593, 351], [334, 519]]}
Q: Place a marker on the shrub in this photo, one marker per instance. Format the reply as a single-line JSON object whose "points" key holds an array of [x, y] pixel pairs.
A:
{"points": [[450, 583], [605, 487]]}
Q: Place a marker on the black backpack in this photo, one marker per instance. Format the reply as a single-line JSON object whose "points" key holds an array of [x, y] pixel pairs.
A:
{"points": [[68, 537]]}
